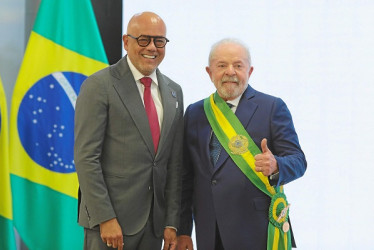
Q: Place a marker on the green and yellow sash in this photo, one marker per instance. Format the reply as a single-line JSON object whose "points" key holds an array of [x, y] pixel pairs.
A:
{"points": [[242, 149]]}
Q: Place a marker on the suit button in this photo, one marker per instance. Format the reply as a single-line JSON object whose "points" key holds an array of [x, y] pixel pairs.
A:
{"points": [[214, 182], [154, 164]]}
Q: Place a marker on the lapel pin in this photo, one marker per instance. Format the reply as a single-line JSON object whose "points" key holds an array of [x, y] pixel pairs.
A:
{"points": [[174, 94]]}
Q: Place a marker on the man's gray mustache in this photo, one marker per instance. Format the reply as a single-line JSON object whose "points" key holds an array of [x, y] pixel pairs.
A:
{"points": [[230, 79]]}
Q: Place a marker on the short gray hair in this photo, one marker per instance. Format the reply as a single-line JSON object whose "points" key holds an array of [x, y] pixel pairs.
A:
{"points": [[230, 41]]}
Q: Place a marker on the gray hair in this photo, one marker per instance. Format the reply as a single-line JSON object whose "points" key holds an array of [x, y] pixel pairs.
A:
{"points": [[230, 41]]}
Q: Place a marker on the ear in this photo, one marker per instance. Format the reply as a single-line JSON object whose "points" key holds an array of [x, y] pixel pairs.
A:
{"points": [[125, 40], [207, 69], [250, 72]]}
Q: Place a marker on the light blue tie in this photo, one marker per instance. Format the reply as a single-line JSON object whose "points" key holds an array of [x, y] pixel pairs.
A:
{"points": [[215, 146]]}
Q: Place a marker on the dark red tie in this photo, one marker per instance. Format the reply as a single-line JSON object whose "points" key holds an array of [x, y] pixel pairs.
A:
{"points": [[150, 108]]}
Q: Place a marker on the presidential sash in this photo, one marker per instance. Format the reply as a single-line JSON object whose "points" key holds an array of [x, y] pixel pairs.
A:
{"points": [[242, 149]]}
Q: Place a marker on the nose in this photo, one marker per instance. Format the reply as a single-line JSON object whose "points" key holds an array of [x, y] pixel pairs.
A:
{"points": [[230, 70], [151, 45]]}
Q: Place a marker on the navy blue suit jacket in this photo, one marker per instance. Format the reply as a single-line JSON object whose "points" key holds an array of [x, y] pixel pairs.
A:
{"points": [[223, 194]]}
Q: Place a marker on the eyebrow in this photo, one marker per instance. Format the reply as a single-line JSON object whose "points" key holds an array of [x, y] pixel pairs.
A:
{"points": [[235, 62]]}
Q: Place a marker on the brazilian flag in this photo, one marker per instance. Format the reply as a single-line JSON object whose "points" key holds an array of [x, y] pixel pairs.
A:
{"points": [[7, 240], [63, 49]]}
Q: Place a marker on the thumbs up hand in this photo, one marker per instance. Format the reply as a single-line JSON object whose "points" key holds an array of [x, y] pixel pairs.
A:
{"points": [[266, 162]]}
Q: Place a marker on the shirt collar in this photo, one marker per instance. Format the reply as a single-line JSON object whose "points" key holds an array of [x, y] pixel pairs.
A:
{"points": [[137, 75], [235, 102]]}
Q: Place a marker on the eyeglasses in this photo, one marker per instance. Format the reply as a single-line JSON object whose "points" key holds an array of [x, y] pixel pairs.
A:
{"points": [[144, 40]]}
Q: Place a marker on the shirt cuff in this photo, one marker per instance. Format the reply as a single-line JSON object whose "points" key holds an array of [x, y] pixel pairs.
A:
{"points": [[172, 228], [274, 177]]}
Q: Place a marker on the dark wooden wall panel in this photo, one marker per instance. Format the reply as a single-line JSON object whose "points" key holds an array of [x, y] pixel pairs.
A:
{"points": [[109, 19]]}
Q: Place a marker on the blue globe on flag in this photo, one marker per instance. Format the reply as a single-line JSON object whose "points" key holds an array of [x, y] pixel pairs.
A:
{"points": [[46, 120]]}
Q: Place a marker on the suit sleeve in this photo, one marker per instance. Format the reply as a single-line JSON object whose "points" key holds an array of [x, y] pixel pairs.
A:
{"points": [[285, 144], [186, 220], [89, 130], [173, 185]]}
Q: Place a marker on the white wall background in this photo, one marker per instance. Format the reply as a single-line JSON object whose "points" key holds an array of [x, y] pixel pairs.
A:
{"points": [[318, 57]]}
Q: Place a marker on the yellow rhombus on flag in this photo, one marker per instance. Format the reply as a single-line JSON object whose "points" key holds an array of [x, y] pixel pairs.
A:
{"points": [[64, 48]]}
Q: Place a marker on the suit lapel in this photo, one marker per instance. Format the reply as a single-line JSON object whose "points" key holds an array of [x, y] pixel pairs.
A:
{"points": [[244, 112], [204, 133], [169, 104], [128, 92]]}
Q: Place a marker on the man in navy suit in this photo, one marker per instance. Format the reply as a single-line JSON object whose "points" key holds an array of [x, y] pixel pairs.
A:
{"points": [[229, 210]]}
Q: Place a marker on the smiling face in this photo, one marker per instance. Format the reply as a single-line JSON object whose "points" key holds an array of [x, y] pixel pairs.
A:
{"points": [[229, 70], [145, 59]]}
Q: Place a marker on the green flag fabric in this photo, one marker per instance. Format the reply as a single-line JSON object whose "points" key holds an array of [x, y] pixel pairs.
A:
{"points": [[63, 49], [7, 240]]}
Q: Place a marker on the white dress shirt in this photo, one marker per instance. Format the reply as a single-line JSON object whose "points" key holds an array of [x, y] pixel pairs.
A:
{"points": [[235, 103], [155, 92]]}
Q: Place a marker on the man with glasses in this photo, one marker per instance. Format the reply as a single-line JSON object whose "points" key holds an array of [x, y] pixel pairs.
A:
{"points": [[128, 146]]}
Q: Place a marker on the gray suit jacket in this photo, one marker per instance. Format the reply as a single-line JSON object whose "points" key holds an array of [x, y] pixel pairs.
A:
{"points": [[119, 173]]}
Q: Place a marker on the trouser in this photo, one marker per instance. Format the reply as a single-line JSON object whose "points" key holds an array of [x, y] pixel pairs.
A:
{"points": [[143, 240]]}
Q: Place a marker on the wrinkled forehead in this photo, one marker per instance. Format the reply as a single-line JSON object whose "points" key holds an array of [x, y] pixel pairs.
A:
{"points": [[229, 53], [229, 56]]}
